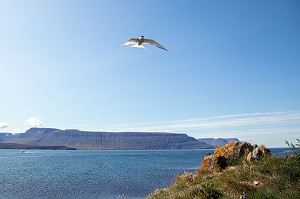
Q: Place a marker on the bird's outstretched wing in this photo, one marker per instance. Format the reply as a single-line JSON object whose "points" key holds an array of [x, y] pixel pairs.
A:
{"points": [[130, 41], [151, 41]]}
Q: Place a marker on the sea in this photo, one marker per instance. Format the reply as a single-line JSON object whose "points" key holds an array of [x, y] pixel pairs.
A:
{"points": [[82, 174]]}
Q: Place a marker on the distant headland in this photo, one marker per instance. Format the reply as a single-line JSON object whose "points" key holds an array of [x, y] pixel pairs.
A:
{"points": [[86, 140]]}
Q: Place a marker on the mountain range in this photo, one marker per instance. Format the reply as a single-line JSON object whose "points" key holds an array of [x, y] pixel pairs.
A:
{"points": [[52, 138], [87, 140]]}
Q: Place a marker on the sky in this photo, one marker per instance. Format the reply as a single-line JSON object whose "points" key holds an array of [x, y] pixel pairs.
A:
{"points": [[232, 69]]}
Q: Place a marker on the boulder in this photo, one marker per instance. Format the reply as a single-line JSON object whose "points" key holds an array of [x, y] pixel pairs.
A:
{"points": [[232, 151], [208, 163]]}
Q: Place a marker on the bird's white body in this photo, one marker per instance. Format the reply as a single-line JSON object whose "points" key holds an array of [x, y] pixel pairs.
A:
{"points": [[136, 45]]}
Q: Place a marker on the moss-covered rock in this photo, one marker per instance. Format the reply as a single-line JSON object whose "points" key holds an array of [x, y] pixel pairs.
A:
{"points": [[233, 151]]}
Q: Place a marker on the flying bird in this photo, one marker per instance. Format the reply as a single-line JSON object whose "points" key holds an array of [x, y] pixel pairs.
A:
{"points": [[137, 42]]}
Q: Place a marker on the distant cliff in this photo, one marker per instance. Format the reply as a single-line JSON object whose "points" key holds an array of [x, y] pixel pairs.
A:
{"points": [[108, 140], [6, 137], [217, 142], [37, 147]]}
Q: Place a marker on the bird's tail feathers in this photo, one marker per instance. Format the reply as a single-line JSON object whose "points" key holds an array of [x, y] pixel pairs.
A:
{"points": [[138, 46]]}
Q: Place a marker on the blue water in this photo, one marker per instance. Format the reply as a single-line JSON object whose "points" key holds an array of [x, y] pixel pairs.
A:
{"points": [[42, 174]]}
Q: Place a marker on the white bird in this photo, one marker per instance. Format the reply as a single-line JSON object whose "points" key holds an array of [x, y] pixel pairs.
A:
{"points": [[139, 41]]}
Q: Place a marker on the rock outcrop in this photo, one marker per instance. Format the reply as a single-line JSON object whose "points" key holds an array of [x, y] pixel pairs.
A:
{"points": [[233, 151], [108, 140]]}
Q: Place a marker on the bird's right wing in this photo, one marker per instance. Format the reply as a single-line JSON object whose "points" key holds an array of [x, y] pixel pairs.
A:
{"points": [[130, 41], [151, 41]]}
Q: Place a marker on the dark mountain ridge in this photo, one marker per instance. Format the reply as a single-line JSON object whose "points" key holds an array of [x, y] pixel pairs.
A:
{"points": [[108, 140], [37, 147]]}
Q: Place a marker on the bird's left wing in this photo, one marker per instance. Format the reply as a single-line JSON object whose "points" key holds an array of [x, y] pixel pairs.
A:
{"points": [[151, 41], [130, 41]]}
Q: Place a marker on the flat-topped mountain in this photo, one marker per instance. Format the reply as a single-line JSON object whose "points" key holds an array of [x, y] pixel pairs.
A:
{"points": [[108, 140], [217, 142]]}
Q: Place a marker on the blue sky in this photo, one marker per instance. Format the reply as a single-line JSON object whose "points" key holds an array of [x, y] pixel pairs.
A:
{"points": [[232, 69]]}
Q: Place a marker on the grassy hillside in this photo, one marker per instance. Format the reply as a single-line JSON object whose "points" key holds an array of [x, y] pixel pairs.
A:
{"points": [[269, 178]]}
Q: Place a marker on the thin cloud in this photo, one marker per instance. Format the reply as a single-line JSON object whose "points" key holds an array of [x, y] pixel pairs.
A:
{"points": [[251, 132], [235, 120], [3, 125], [18, 130], [33, 122]]}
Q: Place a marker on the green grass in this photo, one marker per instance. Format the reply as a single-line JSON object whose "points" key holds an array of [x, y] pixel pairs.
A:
{"points": [[279, 178]]}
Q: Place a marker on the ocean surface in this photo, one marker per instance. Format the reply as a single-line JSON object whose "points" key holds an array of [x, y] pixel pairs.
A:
{"points": [[47, 174]]}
